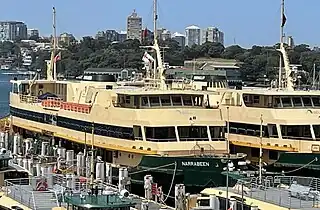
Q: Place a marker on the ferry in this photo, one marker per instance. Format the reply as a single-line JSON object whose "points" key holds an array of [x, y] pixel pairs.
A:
{"points": [[277, 127], [174, 135]]}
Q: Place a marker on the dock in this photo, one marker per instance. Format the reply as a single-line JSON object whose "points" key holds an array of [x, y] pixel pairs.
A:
{"points": [[26, 194], [278, 193]]}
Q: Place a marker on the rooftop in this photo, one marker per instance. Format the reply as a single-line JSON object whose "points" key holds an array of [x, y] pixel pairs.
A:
{"points": [[143, 91], [192, 27], [100, 201], [275, 92], [177, 34]]}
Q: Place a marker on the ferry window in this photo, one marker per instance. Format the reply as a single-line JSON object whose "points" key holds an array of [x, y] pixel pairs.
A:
{"points": [[127, 99], [316, 101], [307, 101], [204, 202], [286, 102], [246, 99], [160, 134], [193, 133], [216, 133], [197, 100], [277, 102], [154, 100], [176, 100], [15, 88], [187, 100], [268, 101], [255, 99], [316, 129], [297, 101], [272, 130], [165, 100], [137, 132], [299, 132], [144, 101]]}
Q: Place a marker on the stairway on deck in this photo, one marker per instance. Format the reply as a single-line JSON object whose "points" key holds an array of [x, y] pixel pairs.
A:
{"points": [[47, 200]]}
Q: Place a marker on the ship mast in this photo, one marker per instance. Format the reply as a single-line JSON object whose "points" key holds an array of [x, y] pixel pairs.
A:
{"points": [[288, 80], [261, 151], [155, 36], [50, 65], [54, 43], [281, 43], [158, 76]]}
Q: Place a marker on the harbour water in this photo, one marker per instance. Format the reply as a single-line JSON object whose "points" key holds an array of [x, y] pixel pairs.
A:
{"points": [[5, 87]]}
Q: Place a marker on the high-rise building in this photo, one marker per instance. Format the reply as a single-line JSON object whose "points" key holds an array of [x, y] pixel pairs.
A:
{"points": [[110, 35], [290, 42], [33, 33], [193, 35], [12, 30], [180, 38], [212, 34], [122, 36], [134, 26], [67, 38], [163, 34]]}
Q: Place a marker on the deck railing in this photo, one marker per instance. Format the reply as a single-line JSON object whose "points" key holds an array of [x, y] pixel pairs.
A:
{"points": [[285, 191], [56, 103], [29, 99]]}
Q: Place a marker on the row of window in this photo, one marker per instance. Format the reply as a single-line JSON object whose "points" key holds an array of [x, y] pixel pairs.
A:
{"points": [[186, 133], [263, 101], [298, 132], [253, 130], [78, 125], [159, 101]]}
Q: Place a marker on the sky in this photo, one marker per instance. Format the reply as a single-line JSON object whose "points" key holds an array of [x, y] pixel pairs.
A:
{"points": [[244, 22]]}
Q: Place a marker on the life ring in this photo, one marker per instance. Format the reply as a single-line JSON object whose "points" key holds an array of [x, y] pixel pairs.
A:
{"points": [[42, 185]]}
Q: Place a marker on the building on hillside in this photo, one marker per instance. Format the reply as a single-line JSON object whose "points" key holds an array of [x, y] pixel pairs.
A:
{"points": [[212, 34], [110, 35], [163, 34], [119, 74], [66, 38], [33, 33], [193, 35], [290, 42], [13, 30], [122, 36], [228, 68], [100, 34], [134, 26], [180, 38]]}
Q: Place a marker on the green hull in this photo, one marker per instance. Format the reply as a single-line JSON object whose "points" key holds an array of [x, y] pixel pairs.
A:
{"points": [[298, 160], [296, 164], [205, 171]]}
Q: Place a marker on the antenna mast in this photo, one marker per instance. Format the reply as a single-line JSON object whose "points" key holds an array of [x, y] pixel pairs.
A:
{"points": [[314, 76], [155, 36], [281, 43], [54, 42], [261, 152], [50, 65]]}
